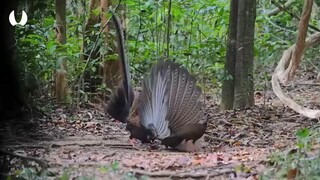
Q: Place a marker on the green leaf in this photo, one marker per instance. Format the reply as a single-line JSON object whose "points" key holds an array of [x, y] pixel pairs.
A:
{"points": [[115, 165], [51, 47], [103, 169], [303, 133], [65, 176]]}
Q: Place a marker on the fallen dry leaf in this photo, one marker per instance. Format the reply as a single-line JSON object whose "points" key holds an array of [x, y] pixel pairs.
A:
{"points": [[292, 173]]}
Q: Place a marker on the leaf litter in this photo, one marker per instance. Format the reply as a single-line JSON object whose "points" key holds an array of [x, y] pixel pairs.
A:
{"points": [[236, 144]]}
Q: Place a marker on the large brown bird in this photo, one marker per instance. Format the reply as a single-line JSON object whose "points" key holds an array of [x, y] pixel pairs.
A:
{"points": [[168, 107]]}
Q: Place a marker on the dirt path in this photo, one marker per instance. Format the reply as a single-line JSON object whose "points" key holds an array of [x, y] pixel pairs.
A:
{"points": [[236, 145], [86, 143]]}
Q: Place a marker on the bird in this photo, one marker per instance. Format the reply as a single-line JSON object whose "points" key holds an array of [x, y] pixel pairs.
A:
{"points": [[122, 98], [168, 107], [122, 102]]}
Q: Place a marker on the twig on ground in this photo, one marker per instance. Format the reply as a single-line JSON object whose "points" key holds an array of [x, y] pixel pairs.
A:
{"points": [[218, 139], [24, 158], [124, 146], [310, 84], [218, 166], [190, 174], [26, 146], [90, 143]]}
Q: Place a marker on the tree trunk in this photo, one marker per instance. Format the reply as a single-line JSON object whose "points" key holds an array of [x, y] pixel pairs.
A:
{"points": [[249, 44], [239, 92], [89, 79], [61, 73], [89, 27], [228, 83], [111, 67]]}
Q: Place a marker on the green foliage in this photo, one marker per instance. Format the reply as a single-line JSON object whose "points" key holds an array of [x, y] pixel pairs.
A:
{"points": [[303, 139], [29, 173], [115, 166], [277, 33], [270, 33], [302, 160], [35, 62], [41, 55], [197, 34], [197, 30], [112, 171]]}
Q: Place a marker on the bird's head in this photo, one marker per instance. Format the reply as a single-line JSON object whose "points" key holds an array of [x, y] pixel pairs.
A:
{"points": [[139, 132]]}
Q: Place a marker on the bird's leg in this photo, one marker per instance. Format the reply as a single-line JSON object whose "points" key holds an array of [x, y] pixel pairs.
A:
{"points": [[182, 146], [190, 146]]}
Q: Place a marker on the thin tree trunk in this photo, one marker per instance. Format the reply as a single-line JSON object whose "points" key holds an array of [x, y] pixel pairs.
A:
{"points": [[249, 44], [93, 19], [61, 73], [228, 84], [240, 91], [111, 67], [168, 29], [243, 92]]}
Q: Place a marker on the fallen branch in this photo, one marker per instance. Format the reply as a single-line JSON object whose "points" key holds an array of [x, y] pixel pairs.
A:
{"points": [[24, 158], [127, 146], [27, 146], [184, 175], [218, 139], [85, 143]]}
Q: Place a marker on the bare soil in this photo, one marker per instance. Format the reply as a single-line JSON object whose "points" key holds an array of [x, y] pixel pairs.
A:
{"points": [[86, 142]]}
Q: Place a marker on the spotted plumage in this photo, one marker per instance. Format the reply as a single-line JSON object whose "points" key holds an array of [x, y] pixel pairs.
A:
{"points": [[168, 107]]}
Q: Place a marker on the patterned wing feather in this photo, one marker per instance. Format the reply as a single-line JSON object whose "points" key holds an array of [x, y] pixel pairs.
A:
{"points": [[154, 101]]}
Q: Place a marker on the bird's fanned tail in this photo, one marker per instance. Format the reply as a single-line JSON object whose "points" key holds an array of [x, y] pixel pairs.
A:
{"points": [[153, 101], [170, 106]]}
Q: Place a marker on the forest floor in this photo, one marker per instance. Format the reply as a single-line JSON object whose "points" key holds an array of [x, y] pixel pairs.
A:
{"points": [[237, 144]]}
